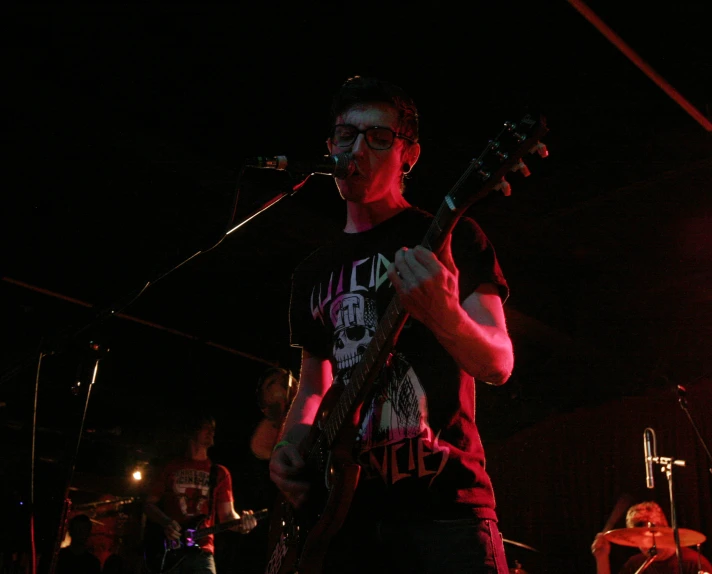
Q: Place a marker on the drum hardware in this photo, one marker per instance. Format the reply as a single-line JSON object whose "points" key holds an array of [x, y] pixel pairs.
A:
{"points": [[519, 544], [517, 565]]}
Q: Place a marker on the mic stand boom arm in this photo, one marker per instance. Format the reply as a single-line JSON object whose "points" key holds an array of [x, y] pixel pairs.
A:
{"points": [[60, 341], [681, 392], [265, 206]]}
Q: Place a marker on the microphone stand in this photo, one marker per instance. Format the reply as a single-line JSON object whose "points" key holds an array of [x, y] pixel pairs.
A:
{"points": [[681, 398], [667, 464], [66, 501], [59, 343]]}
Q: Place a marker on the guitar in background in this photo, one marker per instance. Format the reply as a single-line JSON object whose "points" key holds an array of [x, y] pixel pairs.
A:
{"points": [[163, 555]]}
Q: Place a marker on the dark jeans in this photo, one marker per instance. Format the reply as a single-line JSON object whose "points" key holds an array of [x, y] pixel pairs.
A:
{"points": [[461, 546], [197, 563]]}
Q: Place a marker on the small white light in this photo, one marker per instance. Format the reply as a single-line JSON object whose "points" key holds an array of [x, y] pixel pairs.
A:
{"points": [[137, 475]]}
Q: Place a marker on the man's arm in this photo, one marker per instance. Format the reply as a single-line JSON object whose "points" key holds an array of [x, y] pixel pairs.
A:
{"points": [[314, 380], [475, 335], [474, 332], [286, 463], [601, 550], [170, 527]]}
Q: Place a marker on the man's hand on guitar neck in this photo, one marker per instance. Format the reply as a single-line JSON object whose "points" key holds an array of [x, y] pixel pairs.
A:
{"points": [[285, 467], [247, 522]]}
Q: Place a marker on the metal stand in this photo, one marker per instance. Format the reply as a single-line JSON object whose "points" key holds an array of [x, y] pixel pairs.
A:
{"points": [[652, 555], [681, 394], [97, 353], [667, 467]]}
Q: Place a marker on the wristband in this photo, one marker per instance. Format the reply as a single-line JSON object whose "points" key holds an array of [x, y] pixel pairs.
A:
{"points": [[281, 444]]}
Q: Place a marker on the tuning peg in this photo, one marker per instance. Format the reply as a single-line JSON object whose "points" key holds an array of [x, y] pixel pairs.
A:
{"points": [[540, 148], [521, 166], [504, 187]]}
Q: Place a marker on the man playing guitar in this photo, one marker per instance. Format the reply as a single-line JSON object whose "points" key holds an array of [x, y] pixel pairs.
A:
{"points": [[420, 501], [181, 496]]}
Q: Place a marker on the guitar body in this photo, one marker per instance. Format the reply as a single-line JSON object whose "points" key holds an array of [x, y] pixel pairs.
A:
{"points": [[299, 538], [161, 555]]}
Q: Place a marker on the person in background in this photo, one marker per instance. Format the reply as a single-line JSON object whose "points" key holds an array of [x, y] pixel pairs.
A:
{"points": [[77, 558], [645, 515], [193, 486], [275, 390]]}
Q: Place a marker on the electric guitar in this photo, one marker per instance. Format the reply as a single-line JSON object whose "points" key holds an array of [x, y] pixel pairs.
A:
{"points": [[165, 556], [299, 538]]}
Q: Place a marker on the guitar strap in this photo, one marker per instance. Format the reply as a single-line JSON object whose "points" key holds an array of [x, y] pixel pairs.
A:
{"points": [[212, 482]]}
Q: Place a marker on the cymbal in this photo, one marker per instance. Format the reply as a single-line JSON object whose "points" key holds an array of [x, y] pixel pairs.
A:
{"points": [[664, 537]]}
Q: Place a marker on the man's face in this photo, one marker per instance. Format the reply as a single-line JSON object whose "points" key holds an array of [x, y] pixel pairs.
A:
{"points": [[378, 172], [206, 435]]}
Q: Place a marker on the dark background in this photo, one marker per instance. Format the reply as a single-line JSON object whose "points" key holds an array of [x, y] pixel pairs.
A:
{"points": [[124, 131]]}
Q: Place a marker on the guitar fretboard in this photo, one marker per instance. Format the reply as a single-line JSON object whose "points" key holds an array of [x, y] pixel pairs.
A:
{"points": [[203, 532]]}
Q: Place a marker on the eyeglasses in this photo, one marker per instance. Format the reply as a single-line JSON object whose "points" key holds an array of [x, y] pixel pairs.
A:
{"points": [[377, 137], [644, 524]]}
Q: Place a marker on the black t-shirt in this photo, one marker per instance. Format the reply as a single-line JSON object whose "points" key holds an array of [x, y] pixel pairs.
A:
{"points": [[418, 441]]}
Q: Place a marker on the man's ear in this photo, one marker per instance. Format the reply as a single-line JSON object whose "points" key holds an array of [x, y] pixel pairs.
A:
{"points": [[411, 154], [329, 146]]}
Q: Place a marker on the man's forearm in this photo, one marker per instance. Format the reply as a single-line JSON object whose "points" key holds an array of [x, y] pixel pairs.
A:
{"points": [[155, 514], [314, 381]]}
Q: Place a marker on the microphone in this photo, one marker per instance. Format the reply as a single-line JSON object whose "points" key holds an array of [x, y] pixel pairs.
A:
{"points": [[650, 451], [340, 165]]}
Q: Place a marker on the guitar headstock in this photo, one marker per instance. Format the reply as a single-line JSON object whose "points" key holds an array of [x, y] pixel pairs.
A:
{"points": [[503, 155]]}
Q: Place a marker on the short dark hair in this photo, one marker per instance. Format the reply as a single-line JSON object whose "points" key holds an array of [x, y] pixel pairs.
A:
{"points": [[359, 90], [194, 422]]}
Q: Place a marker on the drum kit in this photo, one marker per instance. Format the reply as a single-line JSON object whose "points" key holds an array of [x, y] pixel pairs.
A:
{"points": [[638, 537], [651, 538]]}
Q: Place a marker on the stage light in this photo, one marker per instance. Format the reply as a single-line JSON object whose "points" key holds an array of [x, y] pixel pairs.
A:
{"points": [[137, 475]]}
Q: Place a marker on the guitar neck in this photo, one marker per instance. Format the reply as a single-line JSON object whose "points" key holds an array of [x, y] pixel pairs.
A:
{"points": [[384, 337], [203, 532]]}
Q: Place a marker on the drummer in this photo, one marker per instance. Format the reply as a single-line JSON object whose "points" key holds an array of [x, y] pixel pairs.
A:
{"points": [[647, 515]]}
